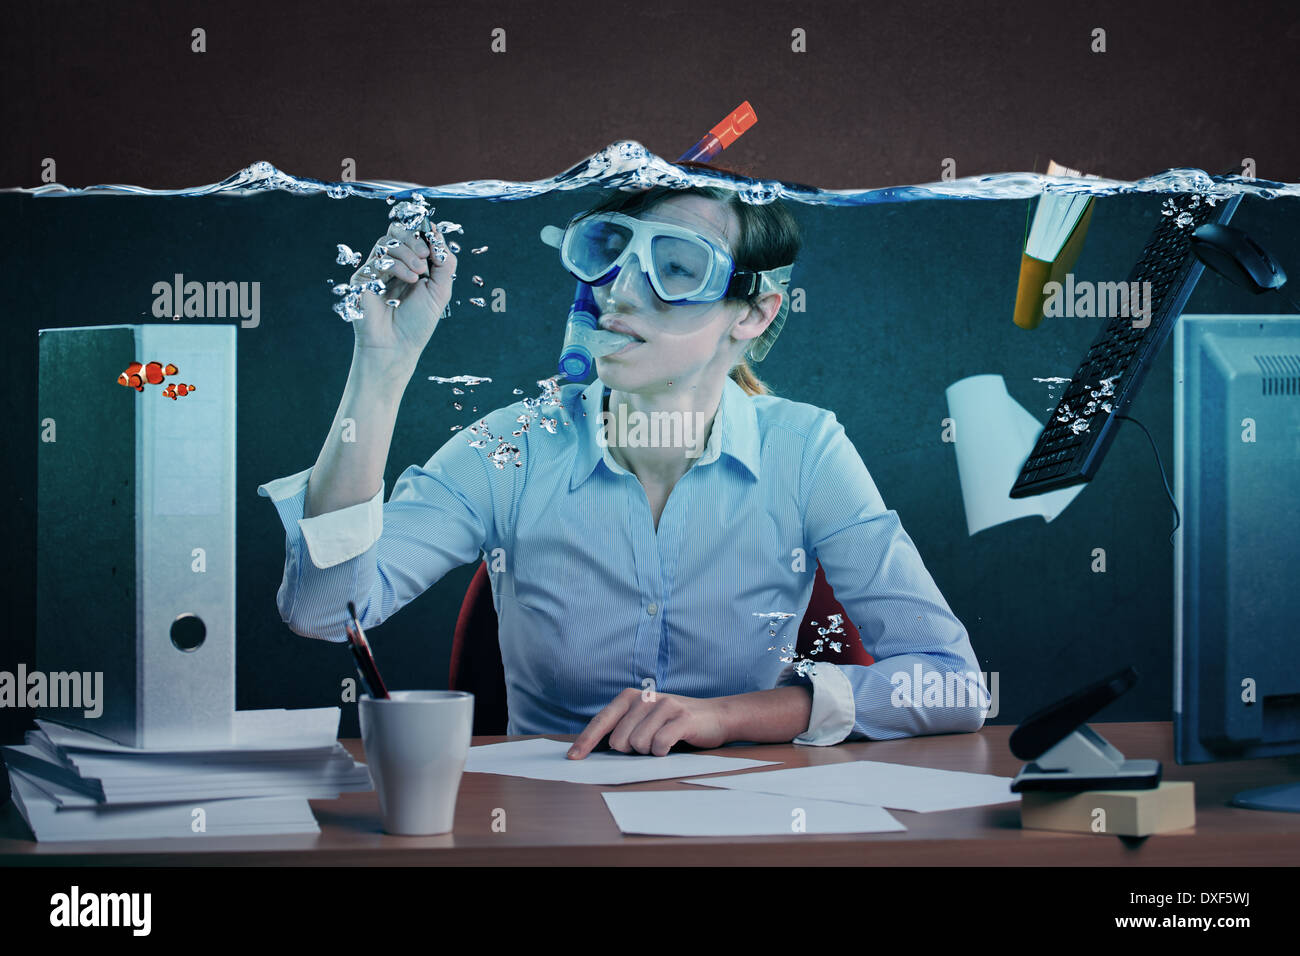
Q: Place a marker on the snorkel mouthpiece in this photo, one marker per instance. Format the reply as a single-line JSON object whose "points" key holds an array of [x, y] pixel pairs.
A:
{"points": [[583, 341]]}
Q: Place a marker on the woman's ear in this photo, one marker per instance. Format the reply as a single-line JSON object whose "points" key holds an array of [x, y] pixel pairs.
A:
{"points": [[755, 318], [770, 304]]}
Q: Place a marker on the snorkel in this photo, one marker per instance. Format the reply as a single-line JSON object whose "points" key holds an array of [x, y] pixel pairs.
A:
{"points": [[583, 340]]}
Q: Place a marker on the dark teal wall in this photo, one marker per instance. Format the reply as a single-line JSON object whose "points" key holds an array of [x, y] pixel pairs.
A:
{"points": [[902, 300]]}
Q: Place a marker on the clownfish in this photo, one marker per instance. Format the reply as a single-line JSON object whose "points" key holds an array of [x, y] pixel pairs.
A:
{"points": [[176, 389], [138, 375]]}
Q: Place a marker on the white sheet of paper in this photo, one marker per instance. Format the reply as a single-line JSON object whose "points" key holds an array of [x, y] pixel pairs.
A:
{"points": [[544, 759], [726, 813], [871, 782], [305, 728], [995, 435]]}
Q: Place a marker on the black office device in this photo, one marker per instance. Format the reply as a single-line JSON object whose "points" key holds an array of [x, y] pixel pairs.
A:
{"points": [[1237, 257], [1066, 754], [1071, 446]]}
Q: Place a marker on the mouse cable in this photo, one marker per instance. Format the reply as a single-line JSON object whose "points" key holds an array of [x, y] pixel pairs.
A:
{"points": [[1161, 466]]}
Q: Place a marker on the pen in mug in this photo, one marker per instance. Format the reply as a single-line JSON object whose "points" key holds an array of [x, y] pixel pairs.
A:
{"points": [[365, 660]]}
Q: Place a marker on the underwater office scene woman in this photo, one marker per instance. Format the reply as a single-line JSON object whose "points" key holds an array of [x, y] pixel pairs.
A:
{"points": [[653, 536]]}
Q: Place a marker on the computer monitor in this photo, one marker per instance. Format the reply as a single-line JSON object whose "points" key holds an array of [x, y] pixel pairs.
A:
{"points": [[1236, 597]]}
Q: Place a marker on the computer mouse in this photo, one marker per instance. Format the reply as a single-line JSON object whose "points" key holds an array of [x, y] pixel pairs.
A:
{"points": [[1237, 257]]}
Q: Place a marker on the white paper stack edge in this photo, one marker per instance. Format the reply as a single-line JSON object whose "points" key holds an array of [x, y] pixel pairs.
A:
{"points": [[70, 784]]}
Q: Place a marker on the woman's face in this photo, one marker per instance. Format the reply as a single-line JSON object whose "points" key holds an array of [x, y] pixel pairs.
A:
{"points": [[680, 340]]}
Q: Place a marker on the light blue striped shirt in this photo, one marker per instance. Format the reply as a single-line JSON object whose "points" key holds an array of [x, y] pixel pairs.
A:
{"points": [[591, 599]]}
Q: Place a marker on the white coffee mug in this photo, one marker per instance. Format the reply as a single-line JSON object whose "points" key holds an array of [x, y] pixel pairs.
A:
{"points": [[416, 745]]}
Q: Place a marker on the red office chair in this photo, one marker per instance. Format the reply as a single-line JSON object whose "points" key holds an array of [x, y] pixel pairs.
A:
{"points": [[476, 653]]}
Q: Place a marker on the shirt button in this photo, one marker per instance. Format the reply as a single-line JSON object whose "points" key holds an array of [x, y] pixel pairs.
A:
{"points": [[652, 609]]}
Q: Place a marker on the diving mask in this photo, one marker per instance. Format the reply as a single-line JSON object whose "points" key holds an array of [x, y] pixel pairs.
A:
{"points": [[682, 266]]}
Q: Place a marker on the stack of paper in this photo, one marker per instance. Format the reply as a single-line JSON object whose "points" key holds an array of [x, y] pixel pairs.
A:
{"points": [[70, 784]]}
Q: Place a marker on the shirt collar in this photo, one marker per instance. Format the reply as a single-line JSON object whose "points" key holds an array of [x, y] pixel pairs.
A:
{"points": [[734, 432]]}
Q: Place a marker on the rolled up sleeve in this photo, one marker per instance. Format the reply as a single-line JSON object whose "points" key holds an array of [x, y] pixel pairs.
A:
{"points": [[833, 707], [330, 538], [381, 556]]}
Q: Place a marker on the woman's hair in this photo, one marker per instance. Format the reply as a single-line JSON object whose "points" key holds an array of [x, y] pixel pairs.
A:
{"points": [[769, 238]]}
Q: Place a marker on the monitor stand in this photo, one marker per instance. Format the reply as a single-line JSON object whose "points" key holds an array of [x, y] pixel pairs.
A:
{"points": [[1284, 797]]}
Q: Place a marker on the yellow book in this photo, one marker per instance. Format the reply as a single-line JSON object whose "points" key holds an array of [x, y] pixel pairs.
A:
{"points": [[1052, 248], [1136, 813]]}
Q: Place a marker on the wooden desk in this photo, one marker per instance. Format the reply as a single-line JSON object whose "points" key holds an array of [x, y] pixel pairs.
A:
{"points": [[552, 823]]}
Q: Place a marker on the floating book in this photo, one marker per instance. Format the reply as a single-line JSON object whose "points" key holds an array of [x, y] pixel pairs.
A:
{"points": [[1052, 247]]}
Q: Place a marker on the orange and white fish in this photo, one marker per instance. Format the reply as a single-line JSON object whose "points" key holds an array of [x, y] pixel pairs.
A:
{"points": [[138, 375], [176, 389]]}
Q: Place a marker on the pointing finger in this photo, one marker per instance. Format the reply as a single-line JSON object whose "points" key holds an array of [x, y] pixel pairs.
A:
{"points": [[600, 725]]}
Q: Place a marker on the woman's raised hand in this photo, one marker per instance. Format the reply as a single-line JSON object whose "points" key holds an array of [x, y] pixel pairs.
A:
{"points": [[416, 272]]}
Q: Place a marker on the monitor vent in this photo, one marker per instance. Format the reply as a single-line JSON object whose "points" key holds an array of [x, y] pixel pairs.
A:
{"points": [[1279, 374]]}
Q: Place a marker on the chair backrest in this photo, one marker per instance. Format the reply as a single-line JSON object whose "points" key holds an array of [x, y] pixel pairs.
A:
{"points": [[476, 652]]}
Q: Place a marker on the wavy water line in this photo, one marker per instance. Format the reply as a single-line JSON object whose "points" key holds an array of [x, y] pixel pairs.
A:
{"points": [[627, 164]]}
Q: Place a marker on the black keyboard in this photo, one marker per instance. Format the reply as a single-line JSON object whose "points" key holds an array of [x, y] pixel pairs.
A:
{"points": [[1083, 424]]}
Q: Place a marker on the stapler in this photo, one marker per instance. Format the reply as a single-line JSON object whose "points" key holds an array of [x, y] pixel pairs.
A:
{"points": [[1065, 754]]}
